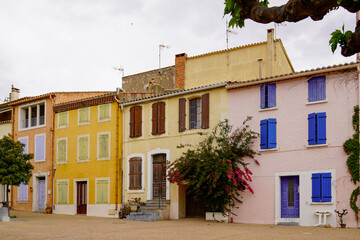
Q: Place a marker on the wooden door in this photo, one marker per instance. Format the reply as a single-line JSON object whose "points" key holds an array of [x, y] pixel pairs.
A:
{"points": [[81, 197], [194, 209], [41, 193], [290, 204], [159, 176]]}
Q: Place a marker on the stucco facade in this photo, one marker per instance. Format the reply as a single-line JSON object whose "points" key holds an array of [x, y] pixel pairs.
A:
{"points": [[148, 145], [294, 157], [94, 169]]}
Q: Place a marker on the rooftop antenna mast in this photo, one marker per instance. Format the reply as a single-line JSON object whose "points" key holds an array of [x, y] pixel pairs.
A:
{"points": [[161, 46], [120, 69], [227, 40]]}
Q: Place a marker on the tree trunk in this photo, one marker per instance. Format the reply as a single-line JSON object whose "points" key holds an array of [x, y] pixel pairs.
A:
{"points": [[7, 199]]}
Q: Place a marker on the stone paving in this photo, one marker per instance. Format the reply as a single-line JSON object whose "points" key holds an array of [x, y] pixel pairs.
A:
{"points": [[50, 226]]}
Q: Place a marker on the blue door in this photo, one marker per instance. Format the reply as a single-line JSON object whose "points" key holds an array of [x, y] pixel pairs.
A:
{"points": [[41, 196], [290, 197]]}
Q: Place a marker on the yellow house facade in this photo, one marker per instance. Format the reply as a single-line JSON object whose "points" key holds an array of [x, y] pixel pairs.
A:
{"points": [[87, 156], [154, 127]]}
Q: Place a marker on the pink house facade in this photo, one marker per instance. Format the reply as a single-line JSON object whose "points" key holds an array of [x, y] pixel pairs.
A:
{"points": [[303, 120]]}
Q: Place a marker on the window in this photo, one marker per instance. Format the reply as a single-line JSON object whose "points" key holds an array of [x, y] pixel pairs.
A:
{"points": [[135, 173], [317, 128], [135, 121], [84, 116], [102, 191], [267, 95], [24, 140], [83, 148], [199, 112], [62, 150], [158, 118], [104, 146], [104, 113], [40, 148], [182, 114], [63, 189], [32, 116], [23, 192], [316, 89], [268, 133], [321, 187], [63, 119]]}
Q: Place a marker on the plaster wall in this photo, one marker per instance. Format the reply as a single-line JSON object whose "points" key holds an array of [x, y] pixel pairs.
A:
{"points": [[293, 156]]}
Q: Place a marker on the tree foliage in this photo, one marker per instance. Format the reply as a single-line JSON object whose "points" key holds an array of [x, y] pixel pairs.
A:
{"points": [[294, 11], [15, 166], [216, 170]]}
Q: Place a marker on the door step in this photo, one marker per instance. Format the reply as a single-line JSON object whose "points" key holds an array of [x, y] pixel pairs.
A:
{"points": [[143, 216]]}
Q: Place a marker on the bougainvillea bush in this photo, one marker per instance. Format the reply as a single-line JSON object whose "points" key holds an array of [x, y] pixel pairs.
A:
{"points": [[216, 170]]}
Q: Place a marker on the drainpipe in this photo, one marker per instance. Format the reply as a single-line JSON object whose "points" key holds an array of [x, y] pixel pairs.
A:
{"points": [[52, 130], [13, 137], [117, 155], [122, 151]]}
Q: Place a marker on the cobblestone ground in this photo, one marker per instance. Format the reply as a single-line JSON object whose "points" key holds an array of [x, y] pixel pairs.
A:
{"points": [[50, 226]]}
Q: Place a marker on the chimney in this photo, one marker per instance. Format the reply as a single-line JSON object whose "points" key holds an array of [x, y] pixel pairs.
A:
{"points": [[180, 71], [14, 94], [270, 53]]}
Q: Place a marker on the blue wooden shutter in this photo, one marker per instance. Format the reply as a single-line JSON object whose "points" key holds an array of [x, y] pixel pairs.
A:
{"points": [[320, 88], [326, 187], [262, 96], [40, 147], [316, 187], [24, 141], [321, 128], [312, 90], [311, 121], [272, 132], [264, 134], [271, 95]]}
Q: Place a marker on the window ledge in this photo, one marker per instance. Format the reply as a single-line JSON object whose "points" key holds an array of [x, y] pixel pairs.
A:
{"points": [[65, 126], [321, 203], [267, 109], [84, 123], [104, 120], [316, 102], [22, 201], [80, 161], [61, 163], [317, 145], [136, 191], [268, 150], [39, 161], [103, 159]]}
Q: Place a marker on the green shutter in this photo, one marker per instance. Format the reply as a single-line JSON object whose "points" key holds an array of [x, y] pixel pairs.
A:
{"points": [[83, 148], [61, 151], [63, 119], [104, 112], [62, 192], [104, 146], [102, 192], [83, 115]]}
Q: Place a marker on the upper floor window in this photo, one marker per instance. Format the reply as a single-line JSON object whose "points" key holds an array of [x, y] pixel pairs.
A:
{"points": [[24, 140], [321, 187], [62, 150], [199, 113], [84, 115], [83, 148], [195, 113], [32, 116], [268, 133], [40, 148], [103, 146], [158, 118], [317, 128], [104, 113], [63, 119], [267, 95], [316, 89], [135, 121]]}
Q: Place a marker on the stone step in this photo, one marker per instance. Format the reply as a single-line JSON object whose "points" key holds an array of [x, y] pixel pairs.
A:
{"points": [[143, 216]]}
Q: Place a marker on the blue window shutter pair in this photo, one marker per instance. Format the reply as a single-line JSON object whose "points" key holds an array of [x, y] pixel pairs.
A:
{"points": [[316, 89], [268, 133], [267, 95], [321, 187], [317, 128]]}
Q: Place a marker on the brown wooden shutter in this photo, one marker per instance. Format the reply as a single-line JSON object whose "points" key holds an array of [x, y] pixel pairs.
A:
{"points": [[154, 119], [138, 173], [182, 114], [135, 173], [138, 121], [132, 122], [161, 117], [205, 111]]}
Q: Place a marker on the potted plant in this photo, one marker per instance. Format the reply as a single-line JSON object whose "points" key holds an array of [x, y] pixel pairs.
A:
{"points": [[124, 210], [135, 203], [48, 209], [341, 215]]}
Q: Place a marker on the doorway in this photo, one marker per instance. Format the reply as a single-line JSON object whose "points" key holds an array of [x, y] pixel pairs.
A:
{"points": [[159, 176], [81, 193], [290, 203], [41, 193]]}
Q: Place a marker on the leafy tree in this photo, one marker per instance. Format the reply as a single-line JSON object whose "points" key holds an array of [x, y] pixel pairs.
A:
{"points": [[294, 11], [215, 171], [15, 166]]}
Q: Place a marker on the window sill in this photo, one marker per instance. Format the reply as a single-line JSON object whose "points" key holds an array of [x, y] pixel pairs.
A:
{"points": [[317, 145], [39, 161], [136, 191], [80, 161], [316, 102], [103, 159], [321, 203], [85, 123], [104, 120], [66, 126], [268, 150], [22, 201], [267, 109], [31, 128], [61, 163]]}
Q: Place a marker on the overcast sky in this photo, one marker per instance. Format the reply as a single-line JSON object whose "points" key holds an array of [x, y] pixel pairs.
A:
{"points": [[73, 45]]}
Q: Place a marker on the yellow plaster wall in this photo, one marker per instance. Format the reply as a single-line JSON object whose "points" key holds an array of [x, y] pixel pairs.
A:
{"points": [[94, 168], [169, 140]]}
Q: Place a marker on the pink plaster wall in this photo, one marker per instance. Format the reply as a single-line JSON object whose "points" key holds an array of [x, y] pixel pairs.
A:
{"points": [[292, 154]]}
